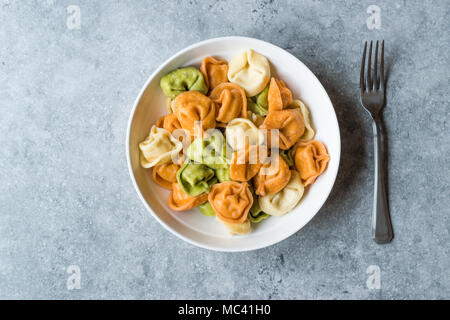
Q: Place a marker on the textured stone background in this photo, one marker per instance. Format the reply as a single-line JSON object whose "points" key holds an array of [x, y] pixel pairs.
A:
{"points": [[66, 198]]}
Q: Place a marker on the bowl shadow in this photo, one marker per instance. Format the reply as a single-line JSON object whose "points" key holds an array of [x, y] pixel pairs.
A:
{"points": [[353, 146]]}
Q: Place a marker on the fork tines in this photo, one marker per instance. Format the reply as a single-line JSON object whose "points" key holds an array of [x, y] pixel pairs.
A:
{"points": [[377, 81]]}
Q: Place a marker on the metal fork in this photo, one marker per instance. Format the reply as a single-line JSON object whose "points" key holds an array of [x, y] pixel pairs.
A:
{"points": [[373, 99]]}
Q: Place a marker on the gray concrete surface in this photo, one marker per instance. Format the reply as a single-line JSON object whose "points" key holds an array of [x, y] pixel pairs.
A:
{"points": [[66, 198]]}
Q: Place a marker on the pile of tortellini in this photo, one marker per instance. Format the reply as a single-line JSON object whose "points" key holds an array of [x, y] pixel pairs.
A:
{"points": [[234, 143]]}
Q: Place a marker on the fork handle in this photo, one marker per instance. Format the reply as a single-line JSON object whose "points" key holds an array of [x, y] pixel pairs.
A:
{"points": [[381, 220]]}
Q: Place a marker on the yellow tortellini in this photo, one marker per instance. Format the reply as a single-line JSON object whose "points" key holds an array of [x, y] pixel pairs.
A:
{"points": [[250, 70], [237, 228], [169, 102], [309, 131], [158, 148], [241, 131], [282, 202]]}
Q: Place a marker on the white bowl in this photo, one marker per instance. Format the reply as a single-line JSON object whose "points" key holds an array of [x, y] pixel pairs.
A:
{"points": [[207, 232]]}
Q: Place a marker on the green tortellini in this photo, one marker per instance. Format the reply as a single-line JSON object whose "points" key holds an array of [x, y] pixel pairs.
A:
{"points": [[223, 174], [210, 151], [259, 104], [181, 80], [287, 156], [256, 214], [206, 209], [257, 217], [195, 178]]}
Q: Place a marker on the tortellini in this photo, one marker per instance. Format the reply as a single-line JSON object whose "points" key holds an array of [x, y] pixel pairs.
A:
{"points": [[290, 127], [311, 159], [169, 105], [159, 147], [223, 174], [206, 209], [246, 162], [309, 131], [250, 70], [165, 174], [279, 96], [231, 201], [237, 228], [214, 72], [254, 173], [169, 122], [287, 156], [255, 118], [160, 122], [241, 131], [256, 214], [272, 177], [282, 202], [230, 101], [180, 201], [259, 104], [181, 80], [195, 178], [210, 150], [191, 107]]}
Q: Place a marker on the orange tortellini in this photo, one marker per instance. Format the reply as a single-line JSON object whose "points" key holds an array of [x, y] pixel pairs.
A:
{"points": [[160, 122], [180, 201], [169, 122], [279, 96], [309, 131], [272, 177], [230, 100], [255, 118], [290, 126], [258, 160], [192, 106], [247, 162], [214, 72], [231, 201], [165, 174], [311, 159]]}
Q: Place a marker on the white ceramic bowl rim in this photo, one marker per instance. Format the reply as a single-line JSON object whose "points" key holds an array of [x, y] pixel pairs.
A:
{"points": [[130, 121]]}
